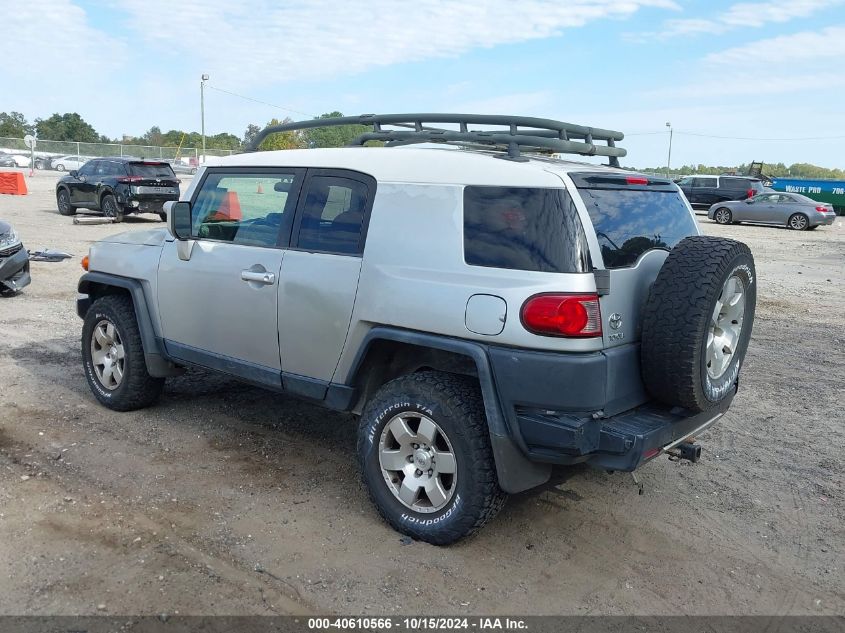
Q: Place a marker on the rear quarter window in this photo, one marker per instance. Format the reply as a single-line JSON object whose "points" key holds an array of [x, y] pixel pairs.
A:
{"points": [[629, 223], [523, 229]]}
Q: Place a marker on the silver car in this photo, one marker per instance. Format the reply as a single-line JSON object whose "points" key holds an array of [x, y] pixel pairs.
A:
{"points": [[488, 313], [785, 209]]}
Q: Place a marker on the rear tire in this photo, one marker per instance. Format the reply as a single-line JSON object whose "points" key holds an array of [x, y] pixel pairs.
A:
{"points": [[113, 356], [723, 215], [110, 207], [60, 167], [697, 322], [425, 457], [63, 203], [798, 222]]}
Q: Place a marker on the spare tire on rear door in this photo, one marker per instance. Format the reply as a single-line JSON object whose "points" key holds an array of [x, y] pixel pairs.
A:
{"points": [[697, 322]]}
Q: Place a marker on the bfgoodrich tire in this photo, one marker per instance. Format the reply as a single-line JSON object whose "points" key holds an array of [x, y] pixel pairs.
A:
{"points": [[425, 457], [697, 322], [113, 356]]}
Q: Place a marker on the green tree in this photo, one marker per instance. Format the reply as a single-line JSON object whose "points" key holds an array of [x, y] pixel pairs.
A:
{"points": [[283, 140], [339, 136], [14, 124], [66, 127], [251, 132], [153, 136]]}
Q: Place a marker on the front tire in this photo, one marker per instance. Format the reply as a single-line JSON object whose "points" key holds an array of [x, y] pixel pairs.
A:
{"points": [[113, 356], [425, 457], [723, 215], [798, 222], [63, 203], [110, 207]]}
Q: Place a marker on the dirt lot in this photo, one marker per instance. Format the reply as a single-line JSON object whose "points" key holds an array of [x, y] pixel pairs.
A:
{"points": [[224, 499]]}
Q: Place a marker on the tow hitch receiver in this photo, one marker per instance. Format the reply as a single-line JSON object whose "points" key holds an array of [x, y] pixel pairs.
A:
{"points": [[686, 450]]}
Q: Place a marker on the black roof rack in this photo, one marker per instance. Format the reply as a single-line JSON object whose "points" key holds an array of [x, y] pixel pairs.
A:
{"points": [[522, 133]]}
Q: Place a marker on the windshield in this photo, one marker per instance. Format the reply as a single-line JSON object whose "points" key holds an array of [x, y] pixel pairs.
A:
{"points": [[150, 170], [630, 222]]}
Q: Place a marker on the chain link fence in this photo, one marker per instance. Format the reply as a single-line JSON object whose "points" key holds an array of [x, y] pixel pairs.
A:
{"points": [[188, 155]]}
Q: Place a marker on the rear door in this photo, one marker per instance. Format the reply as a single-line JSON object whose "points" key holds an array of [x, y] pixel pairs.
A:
{"points": [[637, 220], [319, 276]]}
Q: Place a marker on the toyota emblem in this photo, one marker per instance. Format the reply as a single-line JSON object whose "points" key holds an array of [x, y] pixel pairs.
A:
{"points": [[615, 321]]}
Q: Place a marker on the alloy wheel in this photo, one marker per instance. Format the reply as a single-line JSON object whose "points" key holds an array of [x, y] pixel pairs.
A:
{"points": [[725, 327], [417, 462], [107, 355]]}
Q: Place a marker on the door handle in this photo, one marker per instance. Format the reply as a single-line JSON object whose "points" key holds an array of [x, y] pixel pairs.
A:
{"points": [[258, 277]]}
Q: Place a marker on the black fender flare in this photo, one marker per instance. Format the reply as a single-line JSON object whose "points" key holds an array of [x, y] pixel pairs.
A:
{"points": [[158, 363], [515, 472]]}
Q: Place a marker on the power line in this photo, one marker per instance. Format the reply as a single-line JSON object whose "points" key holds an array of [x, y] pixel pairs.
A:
{"points": [[272, 105], [738, 138]]}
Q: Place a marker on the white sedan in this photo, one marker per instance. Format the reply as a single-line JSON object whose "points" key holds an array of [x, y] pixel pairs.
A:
{"points": [[68, 163]]}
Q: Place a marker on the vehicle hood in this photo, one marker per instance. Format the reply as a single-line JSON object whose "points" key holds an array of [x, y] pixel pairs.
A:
{"points": [[150, 237]]}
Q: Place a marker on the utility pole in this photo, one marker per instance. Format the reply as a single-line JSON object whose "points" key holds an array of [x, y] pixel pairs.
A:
{"points": [[669, 160], [202, 112]]}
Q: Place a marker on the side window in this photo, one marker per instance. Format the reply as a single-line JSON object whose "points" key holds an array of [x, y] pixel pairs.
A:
{"points": [[88, 168], [333, 215], [253, 208], [704, 182]]}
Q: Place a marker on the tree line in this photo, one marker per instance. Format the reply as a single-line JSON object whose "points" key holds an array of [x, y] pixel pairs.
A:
{"points": [[70, 126]]}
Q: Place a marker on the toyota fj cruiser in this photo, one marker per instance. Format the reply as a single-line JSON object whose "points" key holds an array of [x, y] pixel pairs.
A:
{"points": [[487, 310]]}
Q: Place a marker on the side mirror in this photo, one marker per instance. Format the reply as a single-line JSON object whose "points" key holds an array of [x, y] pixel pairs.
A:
{"points": [[73, 173], [749, 201], [178, 219]]}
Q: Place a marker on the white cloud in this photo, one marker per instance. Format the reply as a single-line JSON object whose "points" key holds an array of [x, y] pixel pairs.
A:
{"points": [[828, 43], [40, 34], [743, 15], [270, 42]]}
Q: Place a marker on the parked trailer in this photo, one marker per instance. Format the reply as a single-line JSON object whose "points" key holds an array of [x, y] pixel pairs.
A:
{"points": [[830, 191]]}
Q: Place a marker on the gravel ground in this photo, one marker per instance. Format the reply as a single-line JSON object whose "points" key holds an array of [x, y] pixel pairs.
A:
{"points": [[225, 499]]}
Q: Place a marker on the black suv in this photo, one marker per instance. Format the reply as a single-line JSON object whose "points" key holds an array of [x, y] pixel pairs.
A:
{"points": [[117, 186], [703, 191]]}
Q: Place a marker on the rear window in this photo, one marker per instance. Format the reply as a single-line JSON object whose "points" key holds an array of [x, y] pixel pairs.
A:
{"points": [[151, 170], [629, 222], [523, 229]]}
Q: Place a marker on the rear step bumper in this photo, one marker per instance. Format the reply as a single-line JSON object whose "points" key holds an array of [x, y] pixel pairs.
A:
{"points": [[622, 442]]}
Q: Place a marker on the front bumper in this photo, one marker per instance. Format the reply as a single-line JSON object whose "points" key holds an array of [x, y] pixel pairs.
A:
{"points": [[14, 270], [589, 408]]}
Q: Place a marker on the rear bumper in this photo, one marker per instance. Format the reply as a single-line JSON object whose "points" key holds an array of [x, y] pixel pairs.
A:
{"points": [[588, 408], [823, 219], [622, 442], [142, 202], [14, 271]]}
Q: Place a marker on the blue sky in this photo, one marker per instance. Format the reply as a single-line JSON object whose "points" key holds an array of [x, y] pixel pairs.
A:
{"points": [[756, 70]]}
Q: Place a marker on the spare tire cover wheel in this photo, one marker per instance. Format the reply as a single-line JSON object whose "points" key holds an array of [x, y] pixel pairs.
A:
{"points": [[697, 322]]}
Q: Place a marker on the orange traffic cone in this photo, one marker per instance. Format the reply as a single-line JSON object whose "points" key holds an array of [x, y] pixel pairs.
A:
{"points": [[260, 188], [229, 209]]}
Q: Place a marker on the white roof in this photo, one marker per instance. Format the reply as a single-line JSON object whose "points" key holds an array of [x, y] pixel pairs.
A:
{"points": [[419, 165]]}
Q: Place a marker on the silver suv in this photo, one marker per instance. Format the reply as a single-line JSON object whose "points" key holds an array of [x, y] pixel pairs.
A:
{"points": [[488, 310]]}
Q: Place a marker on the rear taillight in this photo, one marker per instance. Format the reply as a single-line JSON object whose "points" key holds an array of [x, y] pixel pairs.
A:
{"points": [[750, 193], [128, 179], [636, 180], [562, 315], [821, 209]]}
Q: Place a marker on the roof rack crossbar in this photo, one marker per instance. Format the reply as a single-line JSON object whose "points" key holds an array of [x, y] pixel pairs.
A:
{"points": [[521, 133]]}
